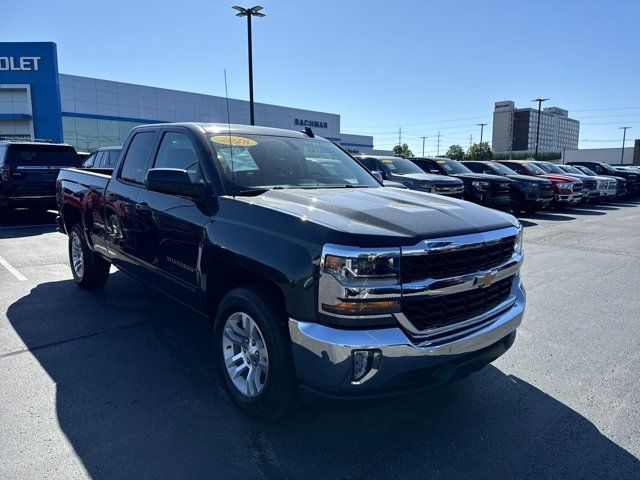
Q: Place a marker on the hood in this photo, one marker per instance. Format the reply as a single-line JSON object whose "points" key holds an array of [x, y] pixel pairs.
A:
{"points": [[558, 178], [383, 217], [427, 177], [527, 178], [481, 176]]}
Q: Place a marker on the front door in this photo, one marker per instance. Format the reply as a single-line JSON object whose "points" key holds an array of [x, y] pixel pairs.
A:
{"points": [[170, 233]]}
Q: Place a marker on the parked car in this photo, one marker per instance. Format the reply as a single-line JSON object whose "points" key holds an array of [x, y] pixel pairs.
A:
{"points": [[488, 190], [529, 193], [313, 279], [621, 183], [601, 168], [566, 190], [590, 192], [28, 171], [410, 175], [103, 158], [607, 186]]}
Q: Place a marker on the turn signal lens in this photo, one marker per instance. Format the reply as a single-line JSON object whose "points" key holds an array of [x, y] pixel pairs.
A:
{"points": [[363, 308]]}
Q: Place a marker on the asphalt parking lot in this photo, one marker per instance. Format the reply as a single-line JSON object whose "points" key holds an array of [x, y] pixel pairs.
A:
{"points": [[120, 384]]}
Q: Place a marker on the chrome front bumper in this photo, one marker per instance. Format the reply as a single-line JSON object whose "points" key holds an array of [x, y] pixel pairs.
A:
{"points": [[323, 355]]}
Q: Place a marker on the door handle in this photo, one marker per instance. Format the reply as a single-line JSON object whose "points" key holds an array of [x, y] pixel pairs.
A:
{"points": [[112, 197], [142, 207]]}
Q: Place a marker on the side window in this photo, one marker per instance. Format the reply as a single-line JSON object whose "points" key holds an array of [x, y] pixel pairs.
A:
{"points": [[177, 151], [98, 161], [133, 168], [3, 149], [517, 167], [112, 160], [371, 164], [475, 167], [88, 162]]}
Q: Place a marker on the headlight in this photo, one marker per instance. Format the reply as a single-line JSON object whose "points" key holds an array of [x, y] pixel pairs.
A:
{"points": [[365, 268], [517, 247], [425, 186], [480, 185], [356, 282], [564, 185]]}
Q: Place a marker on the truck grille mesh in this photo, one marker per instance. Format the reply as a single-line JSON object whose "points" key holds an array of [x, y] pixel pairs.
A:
{"points": [[438, 311], [454, 263]]}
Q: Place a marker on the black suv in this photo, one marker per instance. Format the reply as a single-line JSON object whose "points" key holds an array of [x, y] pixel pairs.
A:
{"points": [[401, 170], [529, 193], [601, 168], [103, 158], [489, 190], [28, 172]]}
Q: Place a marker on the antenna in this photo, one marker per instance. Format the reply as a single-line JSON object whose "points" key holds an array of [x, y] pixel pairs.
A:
{"points": [[233, 170]]}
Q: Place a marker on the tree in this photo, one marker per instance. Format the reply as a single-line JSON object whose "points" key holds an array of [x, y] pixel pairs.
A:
{"points": [[455, 152], [402, 150], [479, 151]]}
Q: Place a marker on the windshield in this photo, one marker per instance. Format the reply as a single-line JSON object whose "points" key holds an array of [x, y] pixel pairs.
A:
{"points": [[400, 166], [452, 166], [257, 162], [570, 169], [43, 156], [550, 168], [501, 169], [587, 171], [533, 169], [608, 168]]}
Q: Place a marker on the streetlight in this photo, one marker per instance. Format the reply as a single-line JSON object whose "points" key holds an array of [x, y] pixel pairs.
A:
{"points": [[539, 100], [250, 12], [624, 137]]}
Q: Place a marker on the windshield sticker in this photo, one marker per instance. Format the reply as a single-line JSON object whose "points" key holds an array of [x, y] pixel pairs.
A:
{"points": [[234, 141], [387, 161]]}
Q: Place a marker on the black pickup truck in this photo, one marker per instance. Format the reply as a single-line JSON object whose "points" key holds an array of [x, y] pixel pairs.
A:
{"points": [[489, 190], [315, 277]]}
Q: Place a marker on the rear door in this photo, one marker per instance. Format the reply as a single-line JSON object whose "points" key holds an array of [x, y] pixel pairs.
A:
{"points": [[33, 168], [169, 237], [119, 202]]}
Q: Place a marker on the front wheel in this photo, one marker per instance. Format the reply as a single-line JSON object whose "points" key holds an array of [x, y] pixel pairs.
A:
{"points": [[89, 270], [253, 352]]}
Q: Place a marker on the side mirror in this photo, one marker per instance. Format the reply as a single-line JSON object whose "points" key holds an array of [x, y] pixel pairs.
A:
{"points": [[378, 175], [173, 181]]}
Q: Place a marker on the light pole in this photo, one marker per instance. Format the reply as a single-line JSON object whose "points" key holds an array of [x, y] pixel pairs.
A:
{"points": [[481, 125], [423, 139], [539, 100], [624, 137], [250, 12]]}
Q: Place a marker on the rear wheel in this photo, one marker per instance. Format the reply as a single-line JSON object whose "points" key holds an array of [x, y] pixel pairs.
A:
{"points": [[89, 270], [253, 352]]}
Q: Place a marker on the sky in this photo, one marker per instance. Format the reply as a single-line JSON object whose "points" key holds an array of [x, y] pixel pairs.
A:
{"points": [[422, 66]]}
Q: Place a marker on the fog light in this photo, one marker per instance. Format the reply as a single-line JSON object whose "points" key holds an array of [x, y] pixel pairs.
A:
{"points": [[362, 363]]}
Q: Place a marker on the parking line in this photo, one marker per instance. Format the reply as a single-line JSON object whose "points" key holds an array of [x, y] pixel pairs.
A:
{"points": [[12, 270]]}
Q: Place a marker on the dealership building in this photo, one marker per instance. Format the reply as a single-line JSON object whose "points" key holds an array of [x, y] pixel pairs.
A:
{"points": [[36, 101]]}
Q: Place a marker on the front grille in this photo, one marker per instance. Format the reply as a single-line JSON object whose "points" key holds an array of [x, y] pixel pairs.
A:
{"points": [[448, 188], [577, 187], [439, 311], [590, 184], [499, 188], [454, 263]]}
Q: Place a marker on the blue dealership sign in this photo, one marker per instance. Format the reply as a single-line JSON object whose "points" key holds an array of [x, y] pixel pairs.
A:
{"points": [[35, 64]]}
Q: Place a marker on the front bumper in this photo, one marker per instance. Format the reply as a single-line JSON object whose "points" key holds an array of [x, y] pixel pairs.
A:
{"points": [[323, 355]]}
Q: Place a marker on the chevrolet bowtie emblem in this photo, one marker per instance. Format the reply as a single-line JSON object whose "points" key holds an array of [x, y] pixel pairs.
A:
{"points": [[485, 279]]}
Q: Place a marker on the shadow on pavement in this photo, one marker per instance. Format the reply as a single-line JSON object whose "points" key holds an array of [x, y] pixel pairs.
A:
{"points": [[137, 398], [26, 223], [551, 216], [584, 212]]}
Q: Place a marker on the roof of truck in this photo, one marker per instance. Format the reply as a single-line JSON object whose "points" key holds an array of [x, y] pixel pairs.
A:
{"points": [[225, 128]]}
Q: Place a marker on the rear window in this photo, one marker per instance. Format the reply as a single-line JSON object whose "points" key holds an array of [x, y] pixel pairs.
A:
{"points": [[43, 156], [112, 159]]}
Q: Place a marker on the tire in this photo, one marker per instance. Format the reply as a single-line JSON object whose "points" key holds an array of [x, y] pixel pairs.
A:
{"points": [[274, 392], [519, 204], [93, 271]]}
